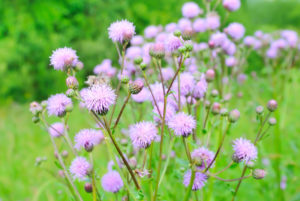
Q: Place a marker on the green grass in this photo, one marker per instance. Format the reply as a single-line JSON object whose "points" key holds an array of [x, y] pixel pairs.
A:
{"points": [[21, 142]]}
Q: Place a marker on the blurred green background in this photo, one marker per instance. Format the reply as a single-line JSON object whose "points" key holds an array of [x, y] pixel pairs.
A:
{"points": [[31, 29]]}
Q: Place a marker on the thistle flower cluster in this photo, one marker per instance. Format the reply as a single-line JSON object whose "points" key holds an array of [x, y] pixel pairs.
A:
{"points": [[167, 92]]}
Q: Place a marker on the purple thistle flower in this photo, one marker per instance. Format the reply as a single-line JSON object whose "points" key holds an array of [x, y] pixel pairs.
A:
{"points": [[170, 111], [56, 104], [199, 25], [213, 21], [151, 31], [167, 73], [170, 28], [232, 5], [80, 168], [143, 96], [112, 182], [200, 88], [137, 40], [184, 24], [290, 36], [106, 68], [230, 61], [142, 134], [121, 31], [63, 58], [88, 138], [244, 150], [182, 124], [133, 52], [199, 182], [235, 30], [172, 43], [187, 84], [191, 10], [57, 129], [157, 91], [203, 157], [98, 98]]}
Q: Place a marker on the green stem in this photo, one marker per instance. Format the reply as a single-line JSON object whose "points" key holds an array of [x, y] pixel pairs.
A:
{"points": [[189, 189]]}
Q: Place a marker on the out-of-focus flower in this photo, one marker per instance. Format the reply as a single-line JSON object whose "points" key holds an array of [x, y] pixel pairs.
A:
{"points": [[191, 10], [170, 111], [213, 21], [202, 157], [200, 88], [57, 129], [80, 168], [199, 25], [112, 182], [235, 30], [187, 84], [199, 181], [137, 40], [57, 104], [172, 43], [151, 31], [232, 5], [106, 68]]}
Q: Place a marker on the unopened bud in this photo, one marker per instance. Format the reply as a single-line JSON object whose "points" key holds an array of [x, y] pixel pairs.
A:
{"points": [[272, 105], [211, 44], [207, 104], [216, 107], [132, 162], [44, 104], [35, 108], [210, 75], [72, 82], [187, 34], [182, 49], [88, 187], [143, 66], [70, 93], [272, 121], [189, 47], [65, 154], [250, 164], [224, 112], [235, 158], [124, 79], [136, 86], [61, 173], [79, 66], [259, 173], [157, 50], [138, 60], [69, 108], [234, 115], [88, 146], [214, 93], [35, 119], [259, 110], [177, 33]]}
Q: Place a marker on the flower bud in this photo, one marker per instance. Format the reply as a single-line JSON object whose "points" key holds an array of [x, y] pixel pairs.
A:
{"points": [[207, 104], [187, 34], [124, 141], [182, 49], [259, 110], [61, 173], [211, 44], [259, 173], [272, 105], [177, 33], [157, 50], [136, 86], [272, 121], [235, 158], [79, 66], [88, 187], [88, 146], [216, 107], [35, 119], [65, 154], [138, 60], [143, 66], [234, 115], [210, 75], [44, 104], [35, 108], [214, 93], [70, 93], [69, 108], [124, 79], [224, 112], [189, 47], [250, 164], [72, 82], [132, 162]]}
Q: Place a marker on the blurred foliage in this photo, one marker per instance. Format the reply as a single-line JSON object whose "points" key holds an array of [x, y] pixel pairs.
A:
{"points": [[31, 29]]}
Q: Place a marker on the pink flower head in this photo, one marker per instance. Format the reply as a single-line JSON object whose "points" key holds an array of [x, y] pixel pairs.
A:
{"points": [[106, 68], [272, 53], [137, 40], [88, 138], [290, 36], [157, 91], [244, 150], [170, 111], [232, 5], [142, 134], [250, 41], [191, 10], [56, 104], [217, 39], [98, 98], [199, 181], [187, 84], [161, 37], [133, 52], [228, 47], [167, 73], [170, 28], [230, 61], [80, 168], [121, 31], [199, 25], [143, 96], [235, 30], [203, 157], [112, 182], [184, 24], [57, 129], [63, 58], [151, 31], [200, 88], [213, 21], [172, 43], [200, 47], [182, 124]]}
